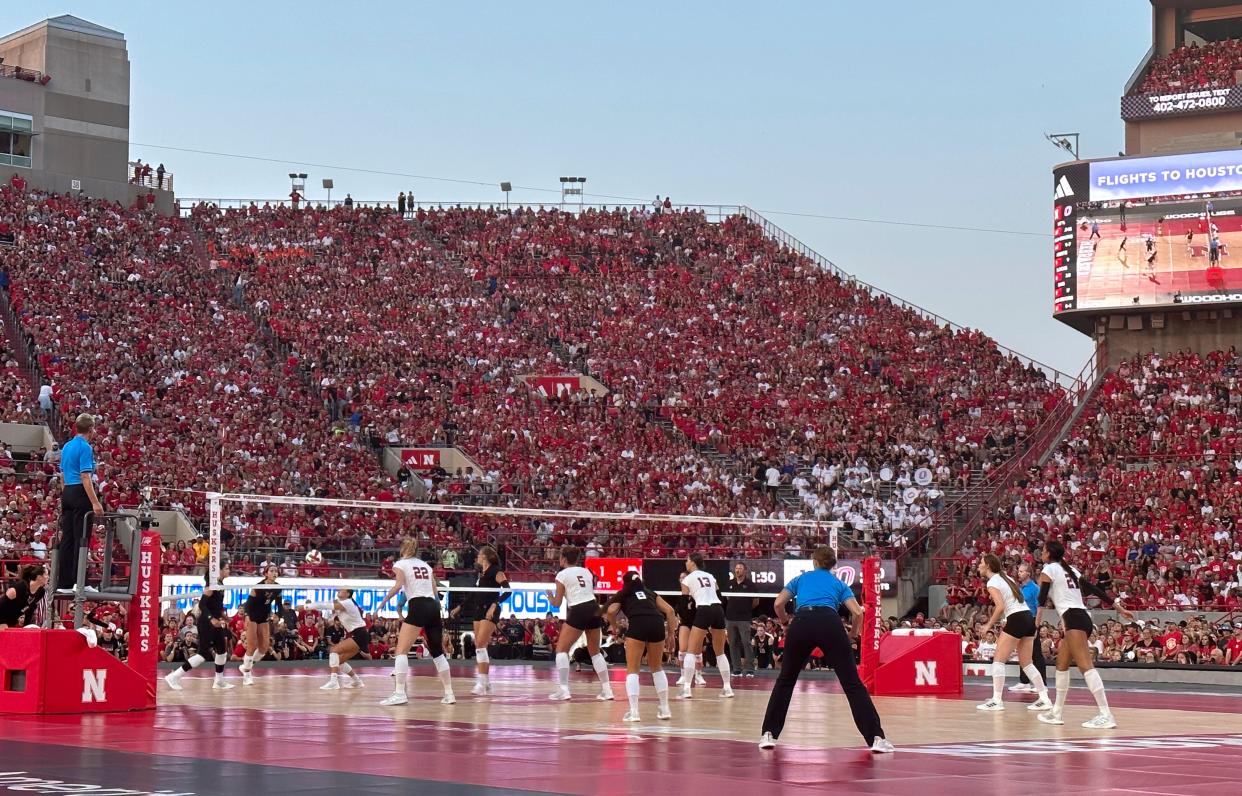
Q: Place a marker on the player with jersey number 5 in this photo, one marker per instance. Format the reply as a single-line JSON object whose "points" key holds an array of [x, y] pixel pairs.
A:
{"points": [[1062, 586], [575, 586], [708, 618], [422, 617], [1018, 632]]}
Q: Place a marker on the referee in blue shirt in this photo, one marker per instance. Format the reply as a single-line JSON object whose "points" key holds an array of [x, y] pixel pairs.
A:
{"points": [[817, 623], [1030, 593], [77, 500]]}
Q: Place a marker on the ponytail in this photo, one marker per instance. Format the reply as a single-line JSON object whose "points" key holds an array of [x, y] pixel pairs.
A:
{"points": [[993, 563]]}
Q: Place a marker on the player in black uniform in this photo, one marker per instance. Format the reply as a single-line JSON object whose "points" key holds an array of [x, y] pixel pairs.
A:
{"points": [[650, 630], [212, 627], [19, 601], [685, 619], [483, 610], [258, 608]]}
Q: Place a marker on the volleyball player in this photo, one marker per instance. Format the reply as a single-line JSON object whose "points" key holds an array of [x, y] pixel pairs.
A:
{"points": [[575, 585], [19, 601], [258, 609], [708, 618], [650, 631], [485, 613], [1062, 586], [212, 638], [685, 619], [1017, 632], [422, 617], [357, 640]]}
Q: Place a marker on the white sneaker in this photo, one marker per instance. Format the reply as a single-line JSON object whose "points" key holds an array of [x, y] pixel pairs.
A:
{"points": [[883, 746], [767, 741], [479, 689], [222, 685], [396, 699], [173, 679], [664, 714], [1104, 721], [247, 678], [1051, 717], [605, 696], [685, 693], [991, 705], [1021, 688], [698, 680], [631, 715], [353, 682], [331, 685], [448, 699], [726, 693], [561, 695], [1041, 704]]}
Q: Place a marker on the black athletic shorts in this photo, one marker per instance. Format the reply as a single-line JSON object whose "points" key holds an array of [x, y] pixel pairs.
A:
{"points": [[584, 616], [1078, 619], [259, 615], [1020, 624], [648, 629], [211, 640], [362, 637], [423, 612], [489, 612], [710, 617]]}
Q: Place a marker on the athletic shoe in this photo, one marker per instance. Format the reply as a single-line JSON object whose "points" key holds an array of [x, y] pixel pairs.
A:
{"points": [[631, 716], [605, 695], [331, 685], [222, 685], [726, 693], [685, 693], [1104, 721], [749, 674], [448, 699], [1051, 717], [767, 741], [396, 699], [174, 680], [1041, 704], [698, 680], [991, 705], [480, 690], [664, 714], [883, 746], [247, 678], [353, 682], [561, 695], [1022, 688]]}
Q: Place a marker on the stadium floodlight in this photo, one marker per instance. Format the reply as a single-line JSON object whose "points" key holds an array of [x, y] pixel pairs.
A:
{"points": [[572, 186], [1066, 141], [506, 187]]}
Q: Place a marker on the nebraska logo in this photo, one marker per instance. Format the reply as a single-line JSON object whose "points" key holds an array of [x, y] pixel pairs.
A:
{"points": [[93, 685], [925, 673]]}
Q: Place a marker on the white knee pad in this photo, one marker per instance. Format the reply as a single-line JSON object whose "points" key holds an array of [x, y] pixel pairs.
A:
{"points": [[196, 661], [334, 660], [222, 659], [998, 669], [480, 656], [441, 663]]}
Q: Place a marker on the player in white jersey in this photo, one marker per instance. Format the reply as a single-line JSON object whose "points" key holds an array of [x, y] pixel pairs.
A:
{"points": [[1017, 632], [1062, 586], [357, 639], [422, 617], [701, 586], [576, 586]]}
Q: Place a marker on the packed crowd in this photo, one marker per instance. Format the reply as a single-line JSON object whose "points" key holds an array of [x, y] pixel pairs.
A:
{"points": [[1213, 64], [1146, 490]]}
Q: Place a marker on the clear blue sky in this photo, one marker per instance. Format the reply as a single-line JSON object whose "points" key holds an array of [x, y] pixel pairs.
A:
{"points": [[919, 112]]}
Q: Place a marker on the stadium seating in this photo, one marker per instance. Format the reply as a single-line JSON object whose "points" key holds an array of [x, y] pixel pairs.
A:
{"points": [[1210, 65]]}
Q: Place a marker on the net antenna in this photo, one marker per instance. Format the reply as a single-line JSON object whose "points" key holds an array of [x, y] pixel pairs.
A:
{"points": [[216, 501]]}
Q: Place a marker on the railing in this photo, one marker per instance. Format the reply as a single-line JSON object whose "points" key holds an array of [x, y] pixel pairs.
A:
{"points": [[793, 244], [148, 176], [22, 73], [978, 499], [715, 213]]}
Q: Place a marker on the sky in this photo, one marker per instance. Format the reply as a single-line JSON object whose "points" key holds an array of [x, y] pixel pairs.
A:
{"points": [[912, 112]]}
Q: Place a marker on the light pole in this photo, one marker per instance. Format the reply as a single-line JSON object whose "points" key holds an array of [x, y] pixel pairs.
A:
{"points": [[1066, 141], [572, 186]]}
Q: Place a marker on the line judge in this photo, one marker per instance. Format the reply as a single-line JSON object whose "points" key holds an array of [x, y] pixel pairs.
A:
{"points": [[817, 623], [77, 499]]}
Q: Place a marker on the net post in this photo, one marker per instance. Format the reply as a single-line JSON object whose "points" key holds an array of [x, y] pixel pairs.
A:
{"points": [[832, 538], [213, 538]]}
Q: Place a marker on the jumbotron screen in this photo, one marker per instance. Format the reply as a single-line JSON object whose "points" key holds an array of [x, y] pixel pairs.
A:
{"points": [[1150, 231]]}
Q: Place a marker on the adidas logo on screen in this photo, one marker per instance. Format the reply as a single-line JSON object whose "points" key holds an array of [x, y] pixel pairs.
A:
{"points": [[1063, 190]]}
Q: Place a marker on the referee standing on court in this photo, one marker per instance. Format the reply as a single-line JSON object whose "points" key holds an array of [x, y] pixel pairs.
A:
{"points": [[817, 623], [77, 500]]}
